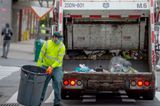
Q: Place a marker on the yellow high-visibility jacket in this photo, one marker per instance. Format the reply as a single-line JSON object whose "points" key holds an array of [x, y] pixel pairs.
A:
{"points": [[51, 54]]}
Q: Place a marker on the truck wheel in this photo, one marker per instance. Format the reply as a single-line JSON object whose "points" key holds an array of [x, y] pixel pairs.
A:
{"points": [[149, 95]]}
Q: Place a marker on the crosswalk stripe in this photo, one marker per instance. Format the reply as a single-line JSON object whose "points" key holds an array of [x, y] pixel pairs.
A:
{"points": [[50, 98], [6, 71], [158, 95], [13, 99], [125, 98]]}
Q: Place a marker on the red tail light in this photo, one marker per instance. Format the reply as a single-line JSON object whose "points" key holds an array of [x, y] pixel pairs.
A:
{"points": [[66, 82], [72, 82], [147, 83], [140, 83]]}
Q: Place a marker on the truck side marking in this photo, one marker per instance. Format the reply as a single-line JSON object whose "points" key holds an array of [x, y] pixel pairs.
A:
{"points": [[74, 5], [106, 5], [141, 5], [152, 31]]}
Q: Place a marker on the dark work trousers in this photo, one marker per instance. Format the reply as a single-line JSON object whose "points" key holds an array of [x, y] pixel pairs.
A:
{"points": [[57, 76], [6, 45]]}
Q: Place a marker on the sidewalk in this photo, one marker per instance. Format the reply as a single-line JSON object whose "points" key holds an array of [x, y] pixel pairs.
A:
{"points": [[20, 53]]}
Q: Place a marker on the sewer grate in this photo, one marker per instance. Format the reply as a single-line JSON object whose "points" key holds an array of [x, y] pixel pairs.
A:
{"points": [[12, 104]]}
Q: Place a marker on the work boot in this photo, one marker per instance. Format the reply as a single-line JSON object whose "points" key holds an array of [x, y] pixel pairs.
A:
{"points": [[40, 102]]}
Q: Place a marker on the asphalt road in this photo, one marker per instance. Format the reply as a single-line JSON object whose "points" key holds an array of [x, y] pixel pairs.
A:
{"points": [[9, 83]]}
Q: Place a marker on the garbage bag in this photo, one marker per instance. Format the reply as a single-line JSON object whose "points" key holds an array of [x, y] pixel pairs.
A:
{"points": [[119, 64], [83, 68]]}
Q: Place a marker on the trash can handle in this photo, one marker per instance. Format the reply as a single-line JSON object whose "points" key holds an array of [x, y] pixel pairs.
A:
{"points": [[30, 79], [27, 75]]}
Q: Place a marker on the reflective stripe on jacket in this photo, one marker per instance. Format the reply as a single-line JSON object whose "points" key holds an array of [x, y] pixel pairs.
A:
{"points": [[51, 54]]}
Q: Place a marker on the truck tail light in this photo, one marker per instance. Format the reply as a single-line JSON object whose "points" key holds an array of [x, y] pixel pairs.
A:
{"points": [[147, 83], [66, 82], [133, 83], [72, 82], [79, 83], [140, 83]]}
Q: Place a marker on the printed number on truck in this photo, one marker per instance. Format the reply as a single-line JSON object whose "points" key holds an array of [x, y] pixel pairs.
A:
{"points": [[74, 5]]}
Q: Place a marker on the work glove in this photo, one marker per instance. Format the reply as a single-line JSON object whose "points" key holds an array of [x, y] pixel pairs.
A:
{"points": [[49, 70]]}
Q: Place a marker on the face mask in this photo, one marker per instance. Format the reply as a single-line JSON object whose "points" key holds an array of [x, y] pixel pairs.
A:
{"points": [[57, 42]]}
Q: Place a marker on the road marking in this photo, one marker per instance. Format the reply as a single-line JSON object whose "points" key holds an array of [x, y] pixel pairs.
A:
{"points": [[89, 98], [158, 95], [125, 97], [13, 99], [50, 98], [6, 71]]}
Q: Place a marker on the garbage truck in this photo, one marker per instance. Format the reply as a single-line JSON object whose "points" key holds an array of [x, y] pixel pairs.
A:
{"points": [[95, 32]]}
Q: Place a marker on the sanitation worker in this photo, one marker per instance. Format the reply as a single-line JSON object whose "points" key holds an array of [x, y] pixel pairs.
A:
{"points": [[51, 58]]}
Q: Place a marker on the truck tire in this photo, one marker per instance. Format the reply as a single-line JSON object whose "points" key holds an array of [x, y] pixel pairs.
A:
{"points": [[149, 95]]}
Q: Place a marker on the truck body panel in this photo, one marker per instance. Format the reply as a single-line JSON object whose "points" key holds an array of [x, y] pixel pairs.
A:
{"points": [[127, 36]]}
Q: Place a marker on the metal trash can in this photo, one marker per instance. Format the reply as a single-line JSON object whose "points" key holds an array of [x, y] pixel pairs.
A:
{"points": [[31, 85]]}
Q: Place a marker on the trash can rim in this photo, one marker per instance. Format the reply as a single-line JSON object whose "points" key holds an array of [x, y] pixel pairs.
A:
{"points": [[22, 69]]}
